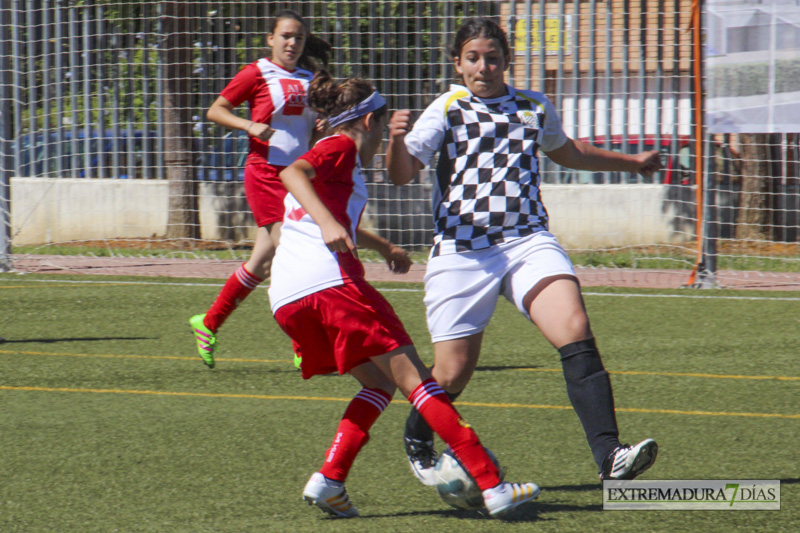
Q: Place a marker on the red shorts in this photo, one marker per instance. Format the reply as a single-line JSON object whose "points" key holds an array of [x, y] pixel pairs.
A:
{"points": [[339, 328], [265, 192]]}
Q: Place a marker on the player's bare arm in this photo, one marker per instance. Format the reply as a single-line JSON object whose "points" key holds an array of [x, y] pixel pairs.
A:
{"points": [[401, 165], [221, 112], [396, 258], [581, 156], [297, 180]]}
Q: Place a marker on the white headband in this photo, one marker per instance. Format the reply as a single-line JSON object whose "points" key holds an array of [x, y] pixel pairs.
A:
{"points": [[375, 101]]}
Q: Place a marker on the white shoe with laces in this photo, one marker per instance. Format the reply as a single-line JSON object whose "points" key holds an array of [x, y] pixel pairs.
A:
{"points": [[422, 457], [506, 496], [329, 495], [627, 462]]}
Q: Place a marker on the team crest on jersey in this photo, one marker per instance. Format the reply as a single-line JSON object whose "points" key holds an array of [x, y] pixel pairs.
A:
{"points": [[294, 95], [530, 118]]}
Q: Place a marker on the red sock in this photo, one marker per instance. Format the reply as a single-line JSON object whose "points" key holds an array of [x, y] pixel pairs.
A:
{"points": [[432, 403], [237, 288], [353, 432]]}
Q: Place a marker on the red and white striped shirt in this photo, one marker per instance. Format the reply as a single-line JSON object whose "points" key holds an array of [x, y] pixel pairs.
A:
{"points": [[303, 264], [277, 97]]}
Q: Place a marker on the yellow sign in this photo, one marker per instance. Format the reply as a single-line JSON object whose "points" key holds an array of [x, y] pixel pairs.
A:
{"points": [[552, 35]]}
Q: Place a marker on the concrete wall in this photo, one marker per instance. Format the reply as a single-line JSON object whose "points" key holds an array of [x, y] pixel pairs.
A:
{"points": [[602, 216], [47, 210]]}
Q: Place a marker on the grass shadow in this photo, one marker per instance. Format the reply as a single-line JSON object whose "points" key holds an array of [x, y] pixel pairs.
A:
{"points": [[574, 488], [74, 339], [499, 368]]}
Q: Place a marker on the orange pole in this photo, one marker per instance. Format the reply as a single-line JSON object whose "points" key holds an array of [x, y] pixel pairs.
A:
{"points": [[697, 56]]}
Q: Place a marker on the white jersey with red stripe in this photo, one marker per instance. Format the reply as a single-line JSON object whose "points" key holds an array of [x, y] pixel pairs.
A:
{"points": [[303, 264], [277, 97]]}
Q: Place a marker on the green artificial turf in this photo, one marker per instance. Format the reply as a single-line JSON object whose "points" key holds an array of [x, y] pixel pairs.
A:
{"points": [[110, 422]]}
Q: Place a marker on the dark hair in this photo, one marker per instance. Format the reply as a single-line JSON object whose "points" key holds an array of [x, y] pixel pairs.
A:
{"points": [[316, 51], [330, 98], [480, 27]]}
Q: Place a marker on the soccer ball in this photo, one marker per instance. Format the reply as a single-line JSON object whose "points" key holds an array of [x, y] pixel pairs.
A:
{"points": [[455, 486]]}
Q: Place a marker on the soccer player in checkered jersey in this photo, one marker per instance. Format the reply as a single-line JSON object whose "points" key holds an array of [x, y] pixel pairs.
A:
{"points": [[280, 131], [491, 237], [337, 321]]}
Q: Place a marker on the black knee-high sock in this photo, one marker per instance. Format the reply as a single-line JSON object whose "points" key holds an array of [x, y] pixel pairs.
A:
{"points": [[589, 390], [417, 428]]}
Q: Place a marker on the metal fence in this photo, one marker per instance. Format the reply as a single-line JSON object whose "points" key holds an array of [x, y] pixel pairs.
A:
{"points": [[85, 78], [82, 87], [83, 81]]}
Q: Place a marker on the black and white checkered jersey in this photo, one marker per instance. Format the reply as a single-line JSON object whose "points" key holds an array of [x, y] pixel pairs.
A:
{"points": [[487, 177]]}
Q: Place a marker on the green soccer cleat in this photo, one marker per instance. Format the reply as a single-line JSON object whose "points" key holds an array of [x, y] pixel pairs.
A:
{"points": [[206, 340], [297, 361]]}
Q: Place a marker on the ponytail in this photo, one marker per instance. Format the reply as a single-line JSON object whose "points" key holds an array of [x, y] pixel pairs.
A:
{"points": [[323, 92], [316, 54], [330, 98]]}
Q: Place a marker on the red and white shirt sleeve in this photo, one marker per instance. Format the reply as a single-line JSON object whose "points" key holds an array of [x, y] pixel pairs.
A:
{"points": [[277, 97], [303, 264]]}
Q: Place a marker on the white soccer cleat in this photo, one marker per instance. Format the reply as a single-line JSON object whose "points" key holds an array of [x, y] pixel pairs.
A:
{"points": [[506, 496], [627, 462], [329, 495], [422, 459]]}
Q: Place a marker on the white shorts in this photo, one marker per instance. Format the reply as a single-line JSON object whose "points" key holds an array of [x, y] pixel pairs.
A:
{"points": [[461, 290]]}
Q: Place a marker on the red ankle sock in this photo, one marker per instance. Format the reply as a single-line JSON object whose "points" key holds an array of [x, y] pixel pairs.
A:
{"points": [[237, 288], [353, 432], [432, 403]]}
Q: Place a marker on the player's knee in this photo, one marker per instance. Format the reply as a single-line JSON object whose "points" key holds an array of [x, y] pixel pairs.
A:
{"points": [[452, 384], [577, 325], [580, 360]]}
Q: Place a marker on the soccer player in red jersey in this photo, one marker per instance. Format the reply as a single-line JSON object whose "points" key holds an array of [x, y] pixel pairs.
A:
{"points": [[280, 128], [339, 322]]}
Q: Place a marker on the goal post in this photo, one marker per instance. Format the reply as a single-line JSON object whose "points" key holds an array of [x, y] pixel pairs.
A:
{"points": [[6, 133]]}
